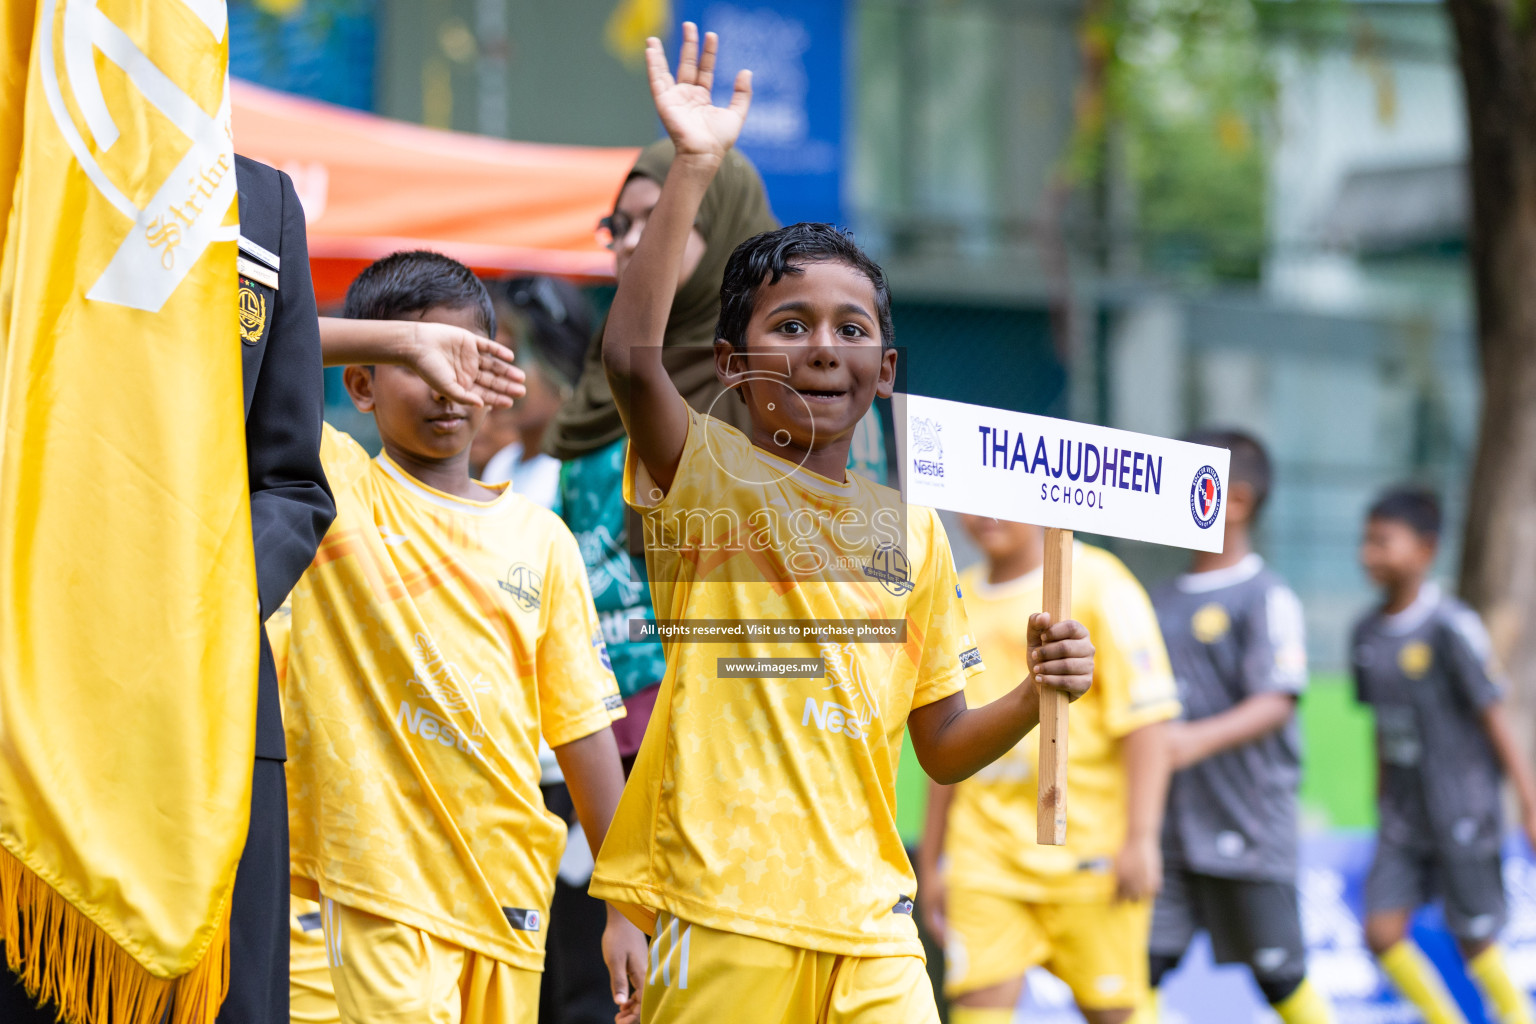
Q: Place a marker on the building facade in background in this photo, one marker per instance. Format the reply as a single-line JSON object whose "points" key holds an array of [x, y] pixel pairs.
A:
{"points": [[936, 130]]}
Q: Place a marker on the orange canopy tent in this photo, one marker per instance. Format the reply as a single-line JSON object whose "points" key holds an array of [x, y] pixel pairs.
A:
{"points": [[371, 186]]}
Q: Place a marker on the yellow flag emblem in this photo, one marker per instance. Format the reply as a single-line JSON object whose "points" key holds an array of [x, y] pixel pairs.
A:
{"points": [[128, 608]]}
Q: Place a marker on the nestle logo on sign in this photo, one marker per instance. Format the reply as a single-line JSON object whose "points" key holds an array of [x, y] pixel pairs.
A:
{"points": [[925, 442]]}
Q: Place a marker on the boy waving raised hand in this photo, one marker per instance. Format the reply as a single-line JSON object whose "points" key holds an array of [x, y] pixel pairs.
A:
{"points": [[813, 619]]}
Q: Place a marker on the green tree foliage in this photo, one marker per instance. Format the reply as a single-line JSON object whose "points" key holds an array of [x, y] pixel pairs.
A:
{"points": [[1192, 83], [1185, 90]]}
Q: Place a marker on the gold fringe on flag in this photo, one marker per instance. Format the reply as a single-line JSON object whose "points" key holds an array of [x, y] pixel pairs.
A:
{"points": [[127, 712], [75, 968]]}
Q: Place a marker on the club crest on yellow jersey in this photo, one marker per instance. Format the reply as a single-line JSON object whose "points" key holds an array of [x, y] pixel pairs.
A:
{"points": [[525, 584], [889, 567]]}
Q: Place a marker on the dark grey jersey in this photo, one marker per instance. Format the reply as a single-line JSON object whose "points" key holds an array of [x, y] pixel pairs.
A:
{"points": [[1426, 673], [1231, 634]]}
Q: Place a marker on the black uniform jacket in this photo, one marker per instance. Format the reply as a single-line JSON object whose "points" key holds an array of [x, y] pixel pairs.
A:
{"points": [[291, 504]]}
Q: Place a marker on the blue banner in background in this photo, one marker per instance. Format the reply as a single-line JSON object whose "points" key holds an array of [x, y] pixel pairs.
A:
{"points": [[794, 133], [1338, 962], [321, 51]]}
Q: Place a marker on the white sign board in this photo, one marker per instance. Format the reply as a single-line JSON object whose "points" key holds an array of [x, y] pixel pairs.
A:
{"points": [[1050, 472]]}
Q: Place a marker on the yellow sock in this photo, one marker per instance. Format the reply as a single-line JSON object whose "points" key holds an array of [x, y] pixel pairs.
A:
{"points": [[1146, 1013], [1510, 1005], [1419, 983], [1304, 1006], [980, 1014]]}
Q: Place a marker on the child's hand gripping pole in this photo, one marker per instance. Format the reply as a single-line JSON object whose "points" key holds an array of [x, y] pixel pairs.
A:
{"points": [[1051, 818]]}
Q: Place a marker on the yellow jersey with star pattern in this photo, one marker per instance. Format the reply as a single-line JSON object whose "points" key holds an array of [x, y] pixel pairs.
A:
{"points": [[763, 803], [990, 842], [432, 642]]}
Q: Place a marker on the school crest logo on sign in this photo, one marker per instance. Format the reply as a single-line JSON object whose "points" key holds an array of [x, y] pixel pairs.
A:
{"points": [[1205, 497], [253, 314]]}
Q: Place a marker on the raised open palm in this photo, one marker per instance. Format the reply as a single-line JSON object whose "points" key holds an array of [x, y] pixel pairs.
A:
{"points": [[696, 125]]}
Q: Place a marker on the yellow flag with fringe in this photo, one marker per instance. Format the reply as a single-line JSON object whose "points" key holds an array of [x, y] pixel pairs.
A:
{"points": [[128, 607]]}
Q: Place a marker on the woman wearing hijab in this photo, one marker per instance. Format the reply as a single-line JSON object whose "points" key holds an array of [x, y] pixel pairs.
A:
{"points": [[589, 437]]}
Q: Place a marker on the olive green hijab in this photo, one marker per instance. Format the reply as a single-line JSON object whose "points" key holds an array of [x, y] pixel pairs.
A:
{"points": [[734, 209]]}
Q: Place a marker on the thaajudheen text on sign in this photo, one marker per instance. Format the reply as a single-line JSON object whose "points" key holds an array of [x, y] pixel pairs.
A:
{"points": [[1073, 476]]}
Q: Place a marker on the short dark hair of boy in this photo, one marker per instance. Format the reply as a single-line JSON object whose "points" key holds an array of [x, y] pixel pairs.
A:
{"points": [[414, 282], [1250, 462], [772, 254], [1416, 507]]}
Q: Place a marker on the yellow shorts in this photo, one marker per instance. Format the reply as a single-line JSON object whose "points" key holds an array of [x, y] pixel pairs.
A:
{"points": [[311, 997], [390, 973], [1098, 949], [702, 976]]}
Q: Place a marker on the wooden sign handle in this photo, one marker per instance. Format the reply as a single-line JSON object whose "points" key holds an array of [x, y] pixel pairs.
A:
{"points": [[1051, 820]]}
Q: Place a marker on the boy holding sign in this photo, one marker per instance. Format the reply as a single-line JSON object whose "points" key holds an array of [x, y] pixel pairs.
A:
{"points": [[1004, 904], [756, 838], [1065, 477]]}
